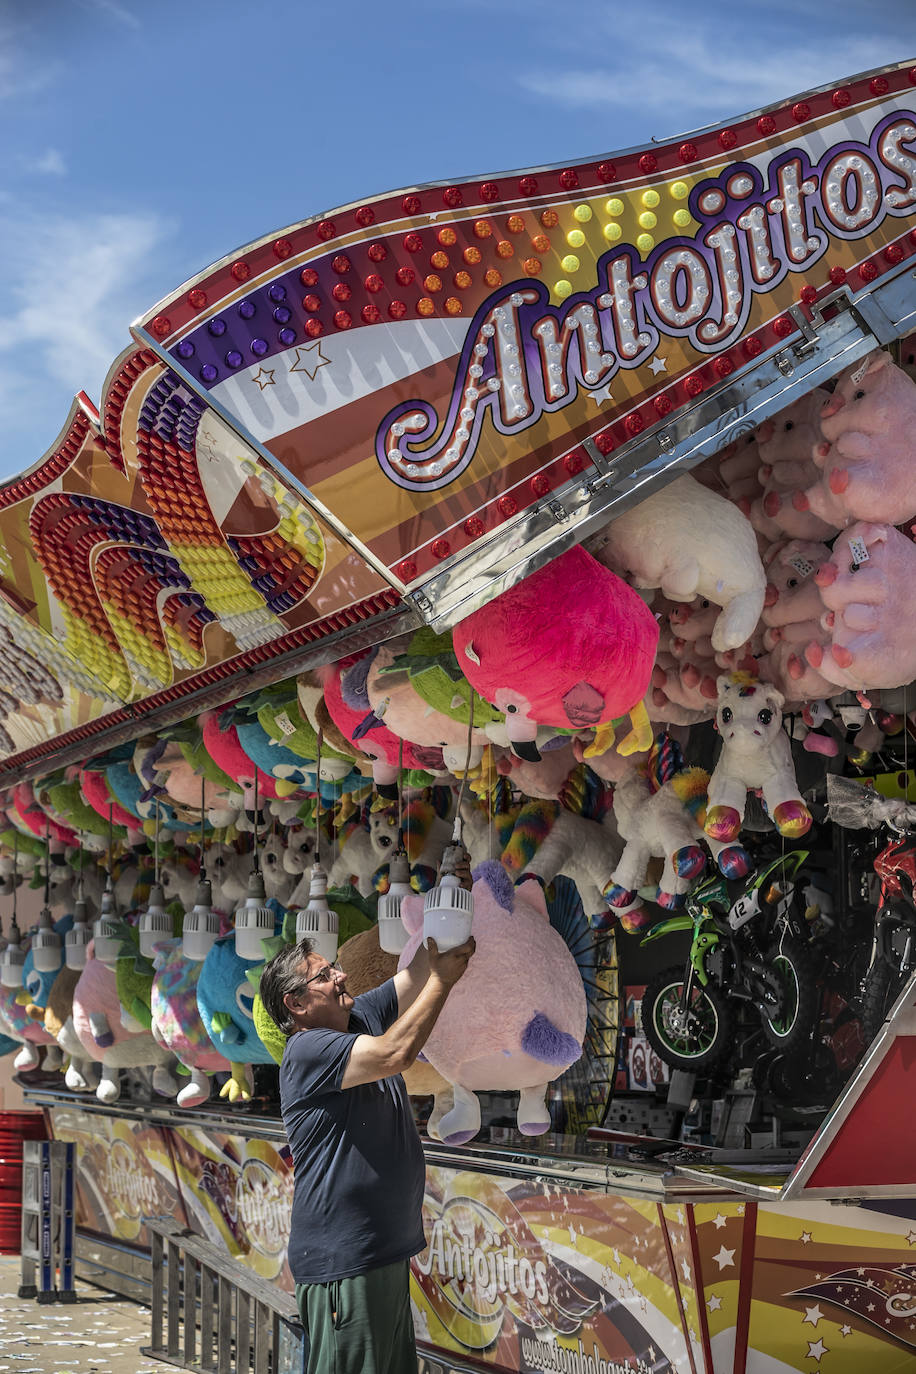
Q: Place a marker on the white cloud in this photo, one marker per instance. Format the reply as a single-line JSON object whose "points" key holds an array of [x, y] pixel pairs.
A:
{"points": [[70, 289], [700, 72], [21, 76], [119, 12], [51, 163]]}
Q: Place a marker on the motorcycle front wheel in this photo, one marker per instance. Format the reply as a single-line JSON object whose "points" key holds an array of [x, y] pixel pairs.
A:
{"points": [[880, 990], [792, 1022], [691, 1038]]}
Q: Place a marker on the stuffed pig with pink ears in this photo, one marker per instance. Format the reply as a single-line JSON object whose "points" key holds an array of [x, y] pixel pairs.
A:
{"points": [[867, 455], [786, 442], [793, 614], [870, 603], [571, 646], [517, 1019]]}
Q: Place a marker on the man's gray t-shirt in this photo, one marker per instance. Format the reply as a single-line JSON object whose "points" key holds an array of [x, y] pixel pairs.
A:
{"points": [[359, 1169]]}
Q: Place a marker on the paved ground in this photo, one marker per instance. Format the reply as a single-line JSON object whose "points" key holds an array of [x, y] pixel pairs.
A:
{"points": [[101, 1333]]}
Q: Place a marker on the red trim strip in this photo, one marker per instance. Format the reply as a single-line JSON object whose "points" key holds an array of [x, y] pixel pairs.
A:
{"points": [[663, 1224], [745, 1287]]}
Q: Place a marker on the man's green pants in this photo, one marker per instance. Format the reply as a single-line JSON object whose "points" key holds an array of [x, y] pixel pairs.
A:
{"points": [[361, 1325]]}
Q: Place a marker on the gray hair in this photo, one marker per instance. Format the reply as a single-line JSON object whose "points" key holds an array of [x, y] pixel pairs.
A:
{"points": [[282, 975]]}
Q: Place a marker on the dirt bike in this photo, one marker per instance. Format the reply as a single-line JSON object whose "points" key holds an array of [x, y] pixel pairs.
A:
{"points": [[748, 952], [893, 953]]}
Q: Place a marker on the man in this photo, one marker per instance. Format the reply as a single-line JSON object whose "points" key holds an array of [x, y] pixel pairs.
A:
{"points": [[358, 1161]]}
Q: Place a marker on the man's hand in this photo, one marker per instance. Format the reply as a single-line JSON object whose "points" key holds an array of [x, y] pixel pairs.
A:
{"points": [[451, 965]]}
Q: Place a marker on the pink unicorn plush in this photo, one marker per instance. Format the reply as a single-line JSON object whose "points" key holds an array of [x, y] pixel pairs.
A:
{"points": [[517, 1019]]}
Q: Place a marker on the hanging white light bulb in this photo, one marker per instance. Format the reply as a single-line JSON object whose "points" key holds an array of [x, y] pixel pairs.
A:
{"points": [[392, 933], [12, 959], [46, 946], [254, 920], [448, 908], [107, 941], [200, 928], [155, 922], [76, 940], [317, 922]]}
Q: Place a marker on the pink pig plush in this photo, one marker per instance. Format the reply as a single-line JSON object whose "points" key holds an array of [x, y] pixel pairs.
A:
{"points": [[793, 614], [517, 1018], [571, 646], [868, 451], [786, 442], [873, 630]]}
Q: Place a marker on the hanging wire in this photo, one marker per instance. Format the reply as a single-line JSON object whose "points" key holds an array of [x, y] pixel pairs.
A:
{"points": [[156, 846], [400, 793], [110, 841], [79, 872], [47, 861], [254, 828], [458, 832], [15, 870], [202, 873], [318, 797]]}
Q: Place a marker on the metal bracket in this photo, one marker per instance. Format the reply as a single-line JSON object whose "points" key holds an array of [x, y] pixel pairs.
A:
{"points": [[606, 471]]}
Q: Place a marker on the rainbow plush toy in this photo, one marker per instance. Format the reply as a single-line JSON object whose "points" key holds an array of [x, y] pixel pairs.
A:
{"points": [[572, 646]]}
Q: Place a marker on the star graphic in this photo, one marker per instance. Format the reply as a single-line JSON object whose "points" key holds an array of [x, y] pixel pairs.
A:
{"points": [[715, 1302], [845, 1330], [725, 1259], [911, 1237], [805, 1237], [719, 1221], [740, 1209], [685, 1270], [870, 1307], [658, 365], [861, 1273], [812, 1315], [310, 365], [600, 396], [680, 1215], [816, 1350], [264, 377], [616, 1254]]}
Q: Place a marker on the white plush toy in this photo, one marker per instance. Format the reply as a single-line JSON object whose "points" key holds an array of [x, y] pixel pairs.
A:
{"points": [[659, 815], [755, 754], [691, 542]]}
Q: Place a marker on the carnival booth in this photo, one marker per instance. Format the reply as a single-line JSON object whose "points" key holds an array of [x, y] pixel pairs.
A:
{"points": [[536, 552]]}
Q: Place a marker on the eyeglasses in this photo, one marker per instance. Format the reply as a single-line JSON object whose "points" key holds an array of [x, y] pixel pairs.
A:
{"points": [[324, 975]]}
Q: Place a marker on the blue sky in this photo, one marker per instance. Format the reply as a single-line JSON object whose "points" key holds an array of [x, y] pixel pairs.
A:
{"points": [[141, 141]]}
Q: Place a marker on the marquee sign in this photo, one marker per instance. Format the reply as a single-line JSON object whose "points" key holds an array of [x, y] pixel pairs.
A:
{"points": [[389, 413]]}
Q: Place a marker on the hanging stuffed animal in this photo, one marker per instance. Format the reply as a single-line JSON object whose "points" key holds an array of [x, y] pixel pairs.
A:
{"points": [[346, 696], [484, 1041], [868, 448], [786, 442], [755, 754], [177, 1024], [660, 814], [690, 542], [571, 646]]}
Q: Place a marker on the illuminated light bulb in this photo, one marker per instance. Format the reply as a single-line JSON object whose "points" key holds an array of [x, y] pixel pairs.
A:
{"points": [[562, 289], [575, 238], [76, 940], [12, 960], [612, 232], [540, 243], [493, 277], [425, 306], [313, 328], [681, 218], [439, 260], [448, 908], [650, 199], [532, 267], [106, 942], [482, 228], [614, 206], [645, 243], [504, 249], [392, 933], [254, 920], [462, 280], [474, 527], [432, 282], [377, 252], [155, 923], [200, 927], [515, 224], [582, 213], [316, 921], [647, 220], [452, 306], [308, 276], [570, 263]]}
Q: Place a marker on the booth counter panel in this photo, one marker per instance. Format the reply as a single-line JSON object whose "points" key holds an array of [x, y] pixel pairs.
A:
{"points": [[544, 1258]]}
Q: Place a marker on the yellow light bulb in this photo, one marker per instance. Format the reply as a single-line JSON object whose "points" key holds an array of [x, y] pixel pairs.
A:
{"points": [[647, 220], [583, 213], [680, 190], [681, 218], [562, 289], [575, 238], [645, 243], [614, 206], [570, 263], [612, 232], [650, 199]]}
